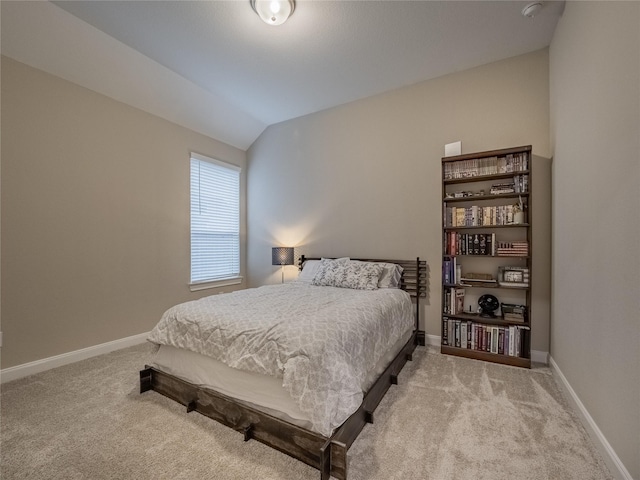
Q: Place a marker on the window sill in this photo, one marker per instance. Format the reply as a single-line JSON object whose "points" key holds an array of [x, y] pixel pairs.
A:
{"points": [[225, 282]]}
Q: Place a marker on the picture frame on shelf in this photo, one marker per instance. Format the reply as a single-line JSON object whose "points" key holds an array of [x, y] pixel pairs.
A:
{"points": [[513, 276]]}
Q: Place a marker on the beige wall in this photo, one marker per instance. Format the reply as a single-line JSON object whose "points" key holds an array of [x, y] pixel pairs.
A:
{"points": [[595, 119], [364, 179], [95, 215]]}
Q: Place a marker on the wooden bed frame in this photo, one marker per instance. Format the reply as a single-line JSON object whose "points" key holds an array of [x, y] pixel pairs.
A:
{"points": [[327, 454]]}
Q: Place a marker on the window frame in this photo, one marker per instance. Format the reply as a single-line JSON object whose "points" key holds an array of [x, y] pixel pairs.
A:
{"points": [[223, 281]]}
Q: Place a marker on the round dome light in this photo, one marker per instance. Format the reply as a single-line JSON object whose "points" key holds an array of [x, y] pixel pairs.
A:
{"points": [[273, 12]]}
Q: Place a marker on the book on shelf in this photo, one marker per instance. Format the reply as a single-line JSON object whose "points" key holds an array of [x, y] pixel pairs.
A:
{"points": [[446, 272], [456, 334], [463, 334], [482, 244], [495, 334], [459, 295], [511, 342], [445, 331]]}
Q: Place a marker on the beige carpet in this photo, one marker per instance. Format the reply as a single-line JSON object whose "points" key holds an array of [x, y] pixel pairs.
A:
{"points": [[450, 418]]}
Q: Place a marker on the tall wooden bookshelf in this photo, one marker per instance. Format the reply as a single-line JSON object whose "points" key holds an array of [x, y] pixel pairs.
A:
{"points": [[486, 251]]}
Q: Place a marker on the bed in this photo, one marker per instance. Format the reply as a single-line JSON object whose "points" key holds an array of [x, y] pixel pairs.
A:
{"points": [[300, 366]]}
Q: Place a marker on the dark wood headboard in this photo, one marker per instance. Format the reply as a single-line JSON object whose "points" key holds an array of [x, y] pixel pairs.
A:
{"points": [[414, 277]]}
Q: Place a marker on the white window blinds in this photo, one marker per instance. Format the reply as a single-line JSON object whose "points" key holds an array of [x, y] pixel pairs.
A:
{"points": [[215, 219]]}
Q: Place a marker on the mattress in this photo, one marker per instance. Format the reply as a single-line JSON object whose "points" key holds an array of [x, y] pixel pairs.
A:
{"points": [[262, 392], [322, 346]]}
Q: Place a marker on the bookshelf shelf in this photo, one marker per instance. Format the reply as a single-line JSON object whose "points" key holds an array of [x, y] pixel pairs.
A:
{"points": [[484, 285], [482, 178], [486, 256], [513, 287], [485, 197], [474, 317], [486, 356], [487, 236], [486, 227]]}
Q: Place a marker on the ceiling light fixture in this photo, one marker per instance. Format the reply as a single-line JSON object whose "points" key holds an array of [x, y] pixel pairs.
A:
{"points": [[531, 9], [273, 12]]}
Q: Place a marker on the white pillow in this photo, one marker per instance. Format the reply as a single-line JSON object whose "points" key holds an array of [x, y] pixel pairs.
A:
{"points": [[390, 276], [310, 267]]}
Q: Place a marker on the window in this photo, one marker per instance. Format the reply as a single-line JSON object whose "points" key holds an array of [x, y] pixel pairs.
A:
{"points": [[215, 220]]}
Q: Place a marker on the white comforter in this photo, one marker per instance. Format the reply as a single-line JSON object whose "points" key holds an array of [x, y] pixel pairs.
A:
{"points": [[321, 341]]}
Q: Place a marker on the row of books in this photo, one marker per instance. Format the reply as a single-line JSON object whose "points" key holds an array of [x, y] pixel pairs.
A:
{"points": [[456, 243], [470, 243], [451, 271], [478, 216], [517, 162], [520, 184], [508, 340], [453, 301], [508, 276]]}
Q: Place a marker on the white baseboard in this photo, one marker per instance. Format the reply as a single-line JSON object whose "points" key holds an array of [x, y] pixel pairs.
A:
{"points": [[536, 355], [616, 466], [26, 369], [432, 340], [540, 357]]}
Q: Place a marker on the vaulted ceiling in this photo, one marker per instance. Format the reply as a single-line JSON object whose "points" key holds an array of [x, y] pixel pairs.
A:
{"points": [[215, 67]]}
